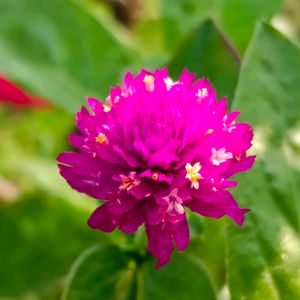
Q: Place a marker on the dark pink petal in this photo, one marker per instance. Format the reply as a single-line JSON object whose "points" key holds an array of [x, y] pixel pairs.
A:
{"points": [[96, 106], [86, 174], [159, 244], [181, 234], [241, 165], [162, 159], [131, 221], [155, 213], [121, 204], [76, 140], [101, 219], [205, 209], [186, 77]]}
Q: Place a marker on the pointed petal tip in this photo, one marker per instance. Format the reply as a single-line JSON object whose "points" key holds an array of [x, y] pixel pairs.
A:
{"points": [[241, 219], [161, 263]]}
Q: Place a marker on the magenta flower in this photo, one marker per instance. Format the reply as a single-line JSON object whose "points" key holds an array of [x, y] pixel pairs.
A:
{"points": [[156, 148]]}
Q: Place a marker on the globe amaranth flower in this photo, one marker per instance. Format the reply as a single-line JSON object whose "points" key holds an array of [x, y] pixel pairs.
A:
{"points": [[157, 148]]}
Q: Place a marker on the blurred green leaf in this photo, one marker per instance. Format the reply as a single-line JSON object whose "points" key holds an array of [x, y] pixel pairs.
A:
{"points": [[181, 16], [100, 273], [237, 17], [263, 257], [208, 53], [40, 238], [184, 278], [58, 51], [109, 273], [209, 247]]}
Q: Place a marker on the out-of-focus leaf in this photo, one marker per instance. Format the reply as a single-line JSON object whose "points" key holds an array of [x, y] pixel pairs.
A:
{"points": [[237, 17], [58, 51], [100, 273], [263, 257], [184, 279], [208, 53], [181, 16], [40, 238], [209, 246], [109, 273]]}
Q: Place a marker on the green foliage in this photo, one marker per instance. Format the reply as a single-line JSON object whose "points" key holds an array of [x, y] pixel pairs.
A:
{"points": [[59, 51], [40, 239], [263, 257], [109, 273], [237, 17], [100, 273], [203, 53]]}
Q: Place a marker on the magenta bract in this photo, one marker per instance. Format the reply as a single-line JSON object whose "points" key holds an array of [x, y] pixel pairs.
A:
{"points": [[156, 148]]}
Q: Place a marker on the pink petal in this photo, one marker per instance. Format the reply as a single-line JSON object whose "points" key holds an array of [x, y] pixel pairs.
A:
{"points": [[102, 220]]}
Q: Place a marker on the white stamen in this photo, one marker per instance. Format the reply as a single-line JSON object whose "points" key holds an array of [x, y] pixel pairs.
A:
{"points": [[219, 156], [174, 202], [169, 83], [149, 83], [201, 93]]}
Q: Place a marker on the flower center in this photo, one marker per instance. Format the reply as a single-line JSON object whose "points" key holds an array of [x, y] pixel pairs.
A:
{"points": [[101, 138], [128, 182]]}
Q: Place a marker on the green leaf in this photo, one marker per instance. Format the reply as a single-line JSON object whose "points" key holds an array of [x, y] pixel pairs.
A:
{"points": [[209, 246], [100, 273], [208, 53], [179, 17], [40, 238], [58, 51], [263, 257], [111, 273], [238, 17], [184, 278]]}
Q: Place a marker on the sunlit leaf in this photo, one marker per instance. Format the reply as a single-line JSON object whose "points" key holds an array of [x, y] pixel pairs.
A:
{"points": [[263, 257]]}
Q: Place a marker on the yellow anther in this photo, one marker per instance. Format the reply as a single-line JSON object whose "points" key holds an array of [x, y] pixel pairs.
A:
{"points": [[101, 138], [192, 174], [202, 93], [128, 182], [154, 176], [149, 83], [209, 131], [106, 108], [238, 157]]}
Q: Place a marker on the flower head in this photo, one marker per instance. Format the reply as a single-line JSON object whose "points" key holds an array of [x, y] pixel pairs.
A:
{"points": [[156, 148]]}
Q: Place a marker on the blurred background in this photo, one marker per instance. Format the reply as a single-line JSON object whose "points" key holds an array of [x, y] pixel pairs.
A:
{"points": [[55, 53]]}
